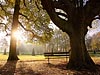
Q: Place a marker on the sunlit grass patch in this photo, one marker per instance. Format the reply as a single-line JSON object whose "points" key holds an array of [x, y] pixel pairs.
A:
{"points": [[24, 57], [95, 57], [30, 57], [3, 57]]}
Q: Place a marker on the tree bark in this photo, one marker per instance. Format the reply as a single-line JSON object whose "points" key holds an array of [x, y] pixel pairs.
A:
{"points": [[79, 57], [12, 52]]}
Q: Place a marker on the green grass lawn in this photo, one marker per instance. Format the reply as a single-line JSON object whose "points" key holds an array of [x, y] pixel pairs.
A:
{"points": [[24, 57], [30, 57], [36, 57], [94, 55], [3, 57]]}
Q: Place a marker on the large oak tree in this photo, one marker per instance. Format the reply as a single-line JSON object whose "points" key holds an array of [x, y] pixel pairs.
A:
{"points": [[27, 15], [73, 17]]}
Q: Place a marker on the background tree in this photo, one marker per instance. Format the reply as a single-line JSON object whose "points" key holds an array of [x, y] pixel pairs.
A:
{"points": [[88, 41], [59, 42], [73, 17], [95, 43], [3, 44], [92, 37]]}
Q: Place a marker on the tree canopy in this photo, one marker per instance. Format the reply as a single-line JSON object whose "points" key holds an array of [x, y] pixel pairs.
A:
{"points": [[32, 18]]}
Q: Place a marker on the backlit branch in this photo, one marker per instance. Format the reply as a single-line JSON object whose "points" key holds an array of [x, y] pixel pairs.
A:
{"points": [[37, 5], [24, 3], [4, 10], [6, 28], [26, 28], [3, 23], [1, 16], [28, 18], [24, 16], [61, 23], [34, 35]]}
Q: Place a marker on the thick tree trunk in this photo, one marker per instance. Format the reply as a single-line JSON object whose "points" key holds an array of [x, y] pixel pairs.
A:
{"points": [[79, 58], [12, 52]]}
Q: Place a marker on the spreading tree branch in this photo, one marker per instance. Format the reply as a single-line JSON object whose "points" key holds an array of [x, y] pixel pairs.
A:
{"points": [[92, 9], [61, 4], [1, 16], [26, 28], [24, 16], [28, 18], [37, 6], [61, 23], [4, 10], [5, 28], [33, 32], [3, 23], [24, 3]]}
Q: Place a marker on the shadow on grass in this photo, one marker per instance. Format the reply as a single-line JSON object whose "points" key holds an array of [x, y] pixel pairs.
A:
{"points": [[25, 69], [62, 66], [8, 68]]}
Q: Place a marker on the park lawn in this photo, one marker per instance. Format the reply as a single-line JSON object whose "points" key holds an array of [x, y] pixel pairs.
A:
{"points": [[27, 66], [95, 57], [30, 57], [3, 57], [24, 57]]}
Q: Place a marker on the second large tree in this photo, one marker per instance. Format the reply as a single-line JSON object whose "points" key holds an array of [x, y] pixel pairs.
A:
{"points": [[73, 17]]}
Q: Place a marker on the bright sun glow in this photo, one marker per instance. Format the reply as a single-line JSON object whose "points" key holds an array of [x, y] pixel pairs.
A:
{"points": [[17, 35]]}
